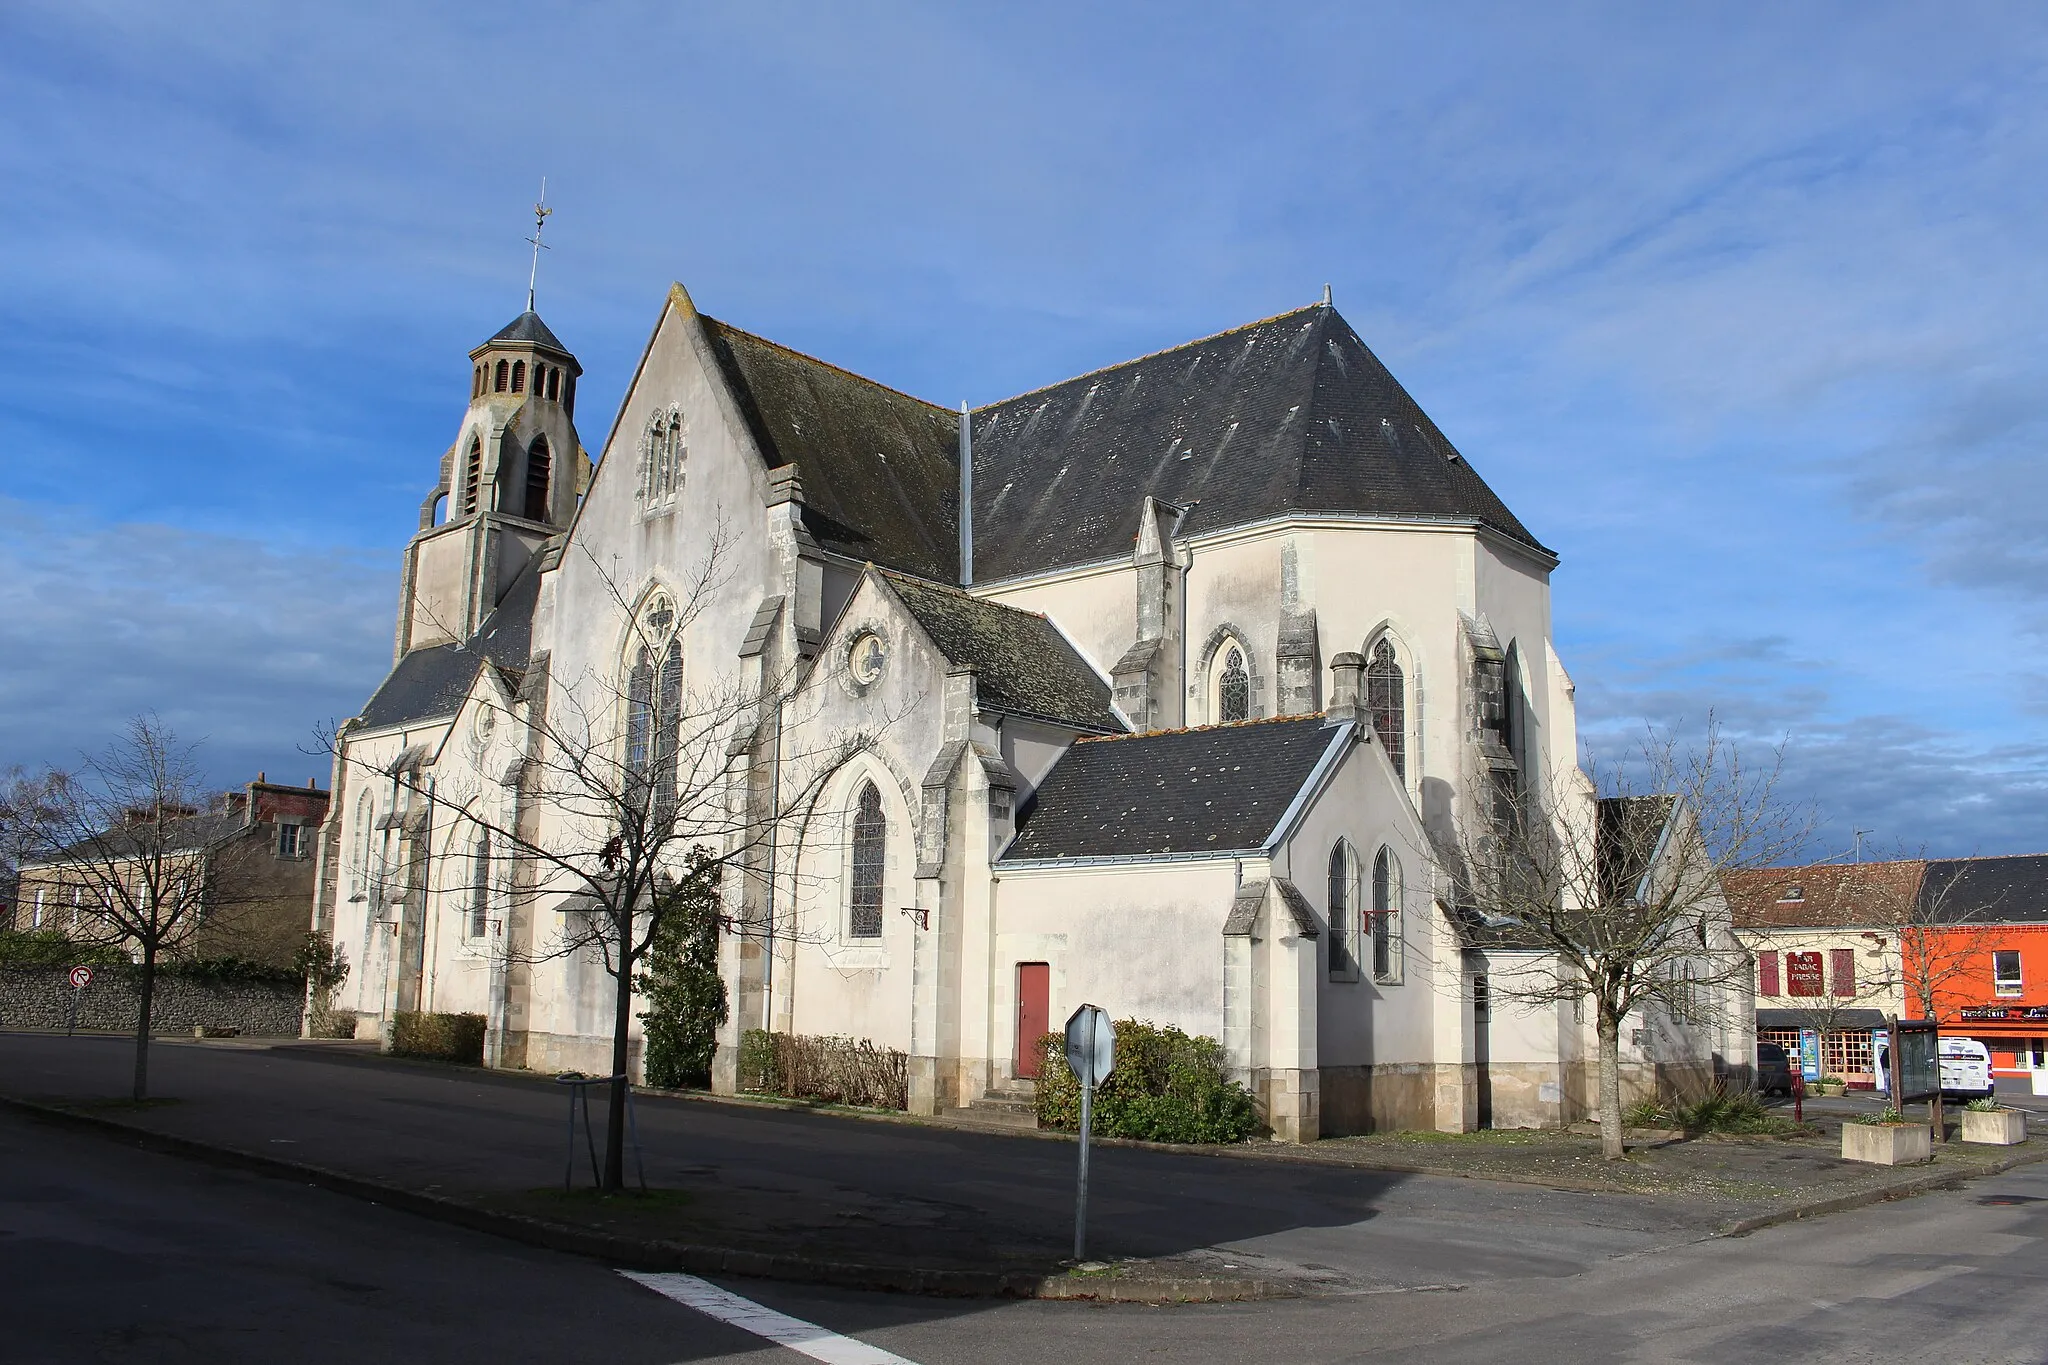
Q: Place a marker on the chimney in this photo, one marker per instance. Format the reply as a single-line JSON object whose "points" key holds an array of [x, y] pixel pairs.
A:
{"points": [[966, 496], [1347, 677]]}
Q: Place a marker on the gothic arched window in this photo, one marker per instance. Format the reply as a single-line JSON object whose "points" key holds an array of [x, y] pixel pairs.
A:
{"points": [[1233, 687], [1343, 909], [504, 376], [472, 476], [1385, 697], [537, 470], [864, 889], [662, 455], [480, 888], [360, 849], [1386, 918], [654, 698]]}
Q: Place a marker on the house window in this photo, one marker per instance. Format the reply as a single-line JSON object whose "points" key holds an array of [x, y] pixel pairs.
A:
{"points": [[1385, 697], [663, 452], [537, 470], [654, 703], [1842, 970], [36, 917], [1386, 918], [291, 841], [480, 889], [870, 839], [1233, 687], [1343, 910], [2005, 973]]}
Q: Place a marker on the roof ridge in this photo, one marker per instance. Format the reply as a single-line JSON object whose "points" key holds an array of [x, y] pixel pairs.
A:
{"points": [[1316, 716], [1153, 355], [825, 364]]}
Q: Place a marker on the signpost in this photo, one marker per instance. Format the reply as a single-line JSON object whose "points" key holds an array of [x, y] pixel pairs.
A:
{"points": [[1091, 1053], [81, 977]]}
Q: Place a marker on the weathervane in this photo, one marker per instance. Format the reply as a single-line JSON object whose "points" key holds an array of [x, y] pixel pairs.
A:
{"points": [[540, 220]]}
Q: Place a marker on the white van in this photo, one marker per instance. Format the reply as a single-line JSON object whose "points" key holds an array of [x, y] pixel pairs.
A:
{"points": [[1966, 1069]]}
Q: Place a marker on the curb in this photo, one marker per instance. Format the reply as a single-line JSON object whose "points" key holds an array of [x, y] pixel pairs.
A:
{"points": [[636, 1254], [1898, 1189]]}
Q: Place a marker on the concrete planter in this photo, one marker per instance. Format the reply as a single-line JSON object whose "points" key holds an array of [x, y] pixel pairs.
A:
{"points": [[2001, 1128], [1832, 1089], [1887, 1144]]}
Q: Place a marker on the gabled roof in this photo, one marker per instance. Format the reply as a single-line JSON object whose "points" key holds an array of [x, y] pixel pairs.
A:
{"points": [[528, 329], [431, 682], [1290, 415], [880, 469], [1828, 895], [1025, 666], [1218, 789]]}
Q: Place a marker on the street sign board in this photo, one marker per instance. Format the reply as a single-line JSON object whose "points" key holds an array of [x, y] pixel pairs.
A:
{"points": [[81, 976], [1091, 1045]]}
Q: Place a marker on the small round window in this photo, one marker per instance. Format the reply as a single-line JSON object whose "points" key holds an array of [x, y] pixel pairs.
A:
{"points": [[866, 658]]}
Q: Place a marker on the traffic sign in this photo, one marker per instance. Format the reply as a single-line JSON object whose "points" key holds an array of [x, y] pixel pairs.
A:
{"points": [[81, 976], [1091, 1045]]}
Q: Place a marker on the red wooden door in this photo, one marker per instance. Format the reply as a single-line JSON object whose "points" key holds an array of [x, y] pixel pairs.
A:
{"points": [[1034, 1015]]}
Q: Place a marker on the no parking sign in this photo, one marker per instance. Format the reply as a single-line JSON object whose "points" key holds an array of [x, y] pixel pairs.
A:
{"points": [[81, 976]]}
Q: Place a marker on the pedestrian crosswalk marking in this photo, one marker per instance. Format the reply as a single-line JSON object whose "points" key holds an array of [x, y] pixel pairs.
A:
{"points": [[805, 1338]]}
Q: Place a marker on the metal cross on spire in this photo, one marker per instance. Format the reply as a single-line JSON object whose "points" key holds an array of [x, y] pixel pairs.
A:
{"points": [[540, 220]]}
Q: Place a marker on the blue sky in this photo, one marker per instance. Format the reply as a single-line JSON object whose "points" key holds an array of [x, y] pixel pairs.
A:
{"points": [[1740, 310]]}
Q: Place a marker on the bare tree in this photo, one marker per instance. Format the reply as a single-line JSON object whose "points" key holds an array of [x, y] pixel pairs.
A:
{"points": [[147, 849], [635, 794], [1938, 931], [1606, 887]]}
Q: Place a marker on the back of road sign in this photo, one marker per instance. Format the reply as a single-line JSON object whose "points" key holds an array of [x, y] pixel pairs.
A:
{"points": [[1091, 1045]]}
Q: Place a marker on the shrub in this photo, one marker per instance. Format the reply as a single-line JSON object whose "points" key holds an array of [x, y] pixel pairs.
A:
{"points": [[1886, 1116], [1985, 1104], [829, 1070], [680, 982], [50, 948], [1167, 1086], [444, 1037], [1643, 1114], [231, 971], [331, 1023]]}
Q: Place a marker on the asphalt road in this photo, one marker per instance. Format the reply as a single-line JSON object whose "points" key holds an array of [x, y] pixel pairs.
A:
{"points": [[112, 1254]]}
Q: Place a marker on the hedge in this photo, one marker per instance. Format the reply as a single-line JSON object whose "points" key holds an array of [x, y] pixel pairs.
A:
{"points": [[829, 1070], [444, 1037], [1166, 1086]]}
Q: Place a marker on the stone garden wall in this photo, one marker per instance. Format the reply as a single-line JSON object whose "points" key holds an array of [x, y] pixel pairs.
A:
{"points": [[41, 998]]}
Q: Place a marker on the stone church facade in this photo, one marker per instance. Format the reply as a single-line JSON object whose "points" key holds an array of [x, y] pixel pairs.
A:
{"points": [[1172, 682]]}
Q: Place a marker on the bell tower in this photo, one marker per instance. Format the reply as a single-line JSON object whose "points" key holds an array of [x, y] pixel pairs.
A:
{"points": [[511, 480]]}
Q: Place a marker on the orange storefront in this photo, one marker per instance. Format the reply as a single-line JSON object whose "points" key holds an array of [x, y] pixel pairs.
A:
{"points": [[1991, 984]]}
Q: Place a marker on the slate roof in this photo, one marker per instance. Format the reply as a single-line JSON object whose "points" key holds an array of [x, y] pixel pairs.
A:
{"points": [[1027, 668], [880, 469], [2008, 890], [431, 682], [1221, 788], [1290, 415], [528, 328]]}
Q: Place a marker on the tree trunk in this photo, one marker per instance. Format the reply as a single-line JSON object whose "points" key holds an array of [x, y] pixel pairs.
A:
{"points": [[1611, 1145], [622, 1023], [147, 991]]}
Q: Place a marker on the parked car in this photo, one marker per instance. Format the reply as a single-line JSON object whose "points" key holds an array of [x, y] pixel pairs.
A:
{"points": [[1966, 1069], [1773, 1070]]}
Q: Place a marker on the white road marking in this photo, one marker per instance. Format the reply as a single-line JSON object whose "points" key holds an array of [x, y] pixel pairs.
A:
{"points": [[805, 1338]]}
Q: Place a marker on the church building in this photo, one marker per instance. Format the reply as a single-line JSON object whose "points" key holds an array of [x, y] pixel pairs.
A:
{"points": [[1169, 688]]}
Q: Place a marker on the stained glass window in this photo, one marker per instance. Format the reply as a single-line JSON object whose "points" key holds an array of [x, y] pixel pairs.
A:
{"points": [[1343, 903], [1386, 918], [870, 838], [480, 889], [1233, 688], [1385, 698]]}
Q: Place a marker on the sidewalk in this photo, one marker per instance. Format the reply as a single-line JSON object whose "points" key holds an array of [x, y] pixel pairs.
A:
{"points": [[903, 1204]]}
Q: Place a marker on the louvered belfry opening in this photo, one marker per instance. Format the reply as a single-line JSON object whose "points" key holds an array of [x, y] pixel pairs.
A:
{"points": [[538, 468], [472, 476]]}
